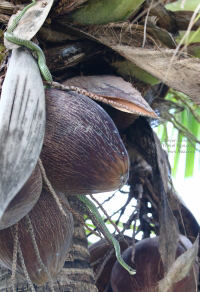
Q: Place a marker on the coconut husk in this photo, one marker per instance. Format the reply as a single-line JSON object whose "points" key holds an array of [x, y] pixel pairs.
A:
{"points": [[82, 152], [24, 201], [150, 271], [53, 233]]}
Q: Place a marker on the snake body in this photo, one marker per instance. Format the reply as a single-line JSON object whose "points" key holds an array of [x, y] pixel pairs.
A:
{"points": [[115, 243], [32, 46]]}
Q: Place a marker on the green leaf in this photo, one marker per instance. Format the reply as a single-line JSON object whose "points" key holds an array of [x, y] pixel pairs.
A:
{"points": [[186, 119], [190, 154], [188, 5], [194, 37], [105, 11], [177, 154], [2, 52]]}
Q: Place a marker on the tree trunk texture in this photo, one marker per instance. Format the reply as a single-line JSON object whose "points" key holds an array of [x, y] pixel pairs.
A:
{"points": [[76, 275]]}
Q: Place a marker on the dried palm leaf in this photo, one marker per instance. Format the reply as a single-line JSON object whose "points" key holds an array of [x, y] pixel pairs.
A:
{"points": [[115, 92], [161, 63]]}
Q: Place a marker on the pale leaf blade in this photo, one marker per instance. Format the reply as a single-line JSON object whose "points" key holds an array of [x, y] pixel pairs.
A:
{"points": [[180, 268], [31, 22], [22, 124], [157, 63]]}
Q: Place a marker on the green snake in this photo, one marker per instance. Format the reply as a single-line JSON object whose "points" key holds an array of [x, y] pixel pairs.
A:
{"points": [[47, 76], [115, 243], [32, 46]]}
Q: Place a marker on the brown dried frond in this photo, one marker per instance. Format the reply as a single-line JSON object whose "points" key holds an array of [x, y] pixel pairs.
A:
{"points": [[185, 37], [193, 20], [131, 34]]}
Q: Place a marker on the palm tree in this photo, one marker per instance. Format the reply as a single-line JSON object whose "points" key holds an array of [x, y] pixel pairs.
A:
{"points": [[136, 40]]}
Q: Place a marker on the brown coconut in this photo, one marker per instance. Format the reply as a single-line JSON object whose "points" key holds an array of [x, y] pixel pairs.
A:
{"points": [[82, 152], [149, 267], [97, 252], [53, 233], [24, 201]]}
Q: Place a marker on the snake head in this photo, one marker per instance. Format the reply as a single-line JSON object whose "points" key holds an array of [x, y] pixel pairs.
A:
{"points": [[132, 272]]}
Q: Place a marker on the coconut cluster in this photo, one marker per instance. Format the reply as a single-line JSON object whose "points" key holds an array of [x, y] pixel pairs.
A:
{"points": [[82, 154], [147, 263]]}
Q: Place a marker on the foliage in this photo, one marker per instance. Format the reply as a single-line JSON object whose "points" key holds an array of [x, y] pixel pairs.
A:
{"points": [[105, 11], [183, 5], [187, 138]]}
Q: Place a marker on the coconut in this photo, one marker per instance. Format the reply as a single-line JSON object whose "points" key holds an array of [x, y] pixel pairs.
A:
{"points": [[24, 201], [149, 270], [82, 151], [53, 233], [97, 252]]}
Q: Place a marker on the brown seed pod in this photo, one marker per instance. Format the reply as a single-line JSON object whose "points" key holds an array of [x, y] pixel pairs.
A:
{"points": [[82, 152], [53, 233], [149, 270], [24, 201], [98, 251]]}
